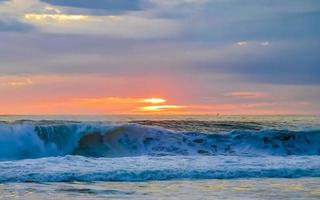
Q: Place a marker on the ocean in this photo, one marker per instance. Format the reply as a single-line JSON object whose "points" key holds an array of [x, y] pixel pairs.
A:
{"points": [[160, 157]]}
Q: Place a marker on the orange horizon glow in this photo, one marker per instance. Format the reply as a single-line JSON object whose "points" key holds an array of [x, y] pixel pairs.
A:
{"points": [[122, 100], [140, 105], [135, 106], [161, 99], [132, 105]]}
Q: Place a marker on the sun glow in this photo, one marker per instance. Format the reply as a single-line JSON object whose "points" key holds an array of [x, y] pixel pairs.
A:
{"points": [[153, 101], [123, 100], [134, 105], [54, 17], [140, 105], [159, 108]]}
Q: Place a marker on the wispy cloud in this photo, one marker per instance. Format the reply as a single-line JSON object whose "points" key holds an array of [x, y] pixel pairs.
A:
{"points": [[266, 43], [47, 18], [112, 26], [15, 81], [247, 95], [110, 5], [242, 43]]}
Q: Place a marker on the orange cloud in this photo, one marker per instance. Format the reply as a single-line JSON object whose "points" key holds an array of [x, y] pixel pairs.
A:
{"points": [[64, 95]]}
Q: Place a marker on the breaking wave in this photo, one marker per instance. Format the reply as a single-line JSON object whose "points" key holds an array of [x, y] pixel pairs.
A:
{"points": [[29, 139]]}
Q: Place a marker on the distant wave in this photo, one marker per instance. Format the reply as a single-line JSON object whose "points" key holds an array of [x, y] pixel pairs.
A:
{"points": [[146, 168], [29, 139]]}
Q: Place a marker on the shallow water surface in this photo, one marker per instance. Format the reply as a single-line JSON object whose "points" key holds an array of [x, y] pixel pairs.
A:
{"points": [[302, 188]]}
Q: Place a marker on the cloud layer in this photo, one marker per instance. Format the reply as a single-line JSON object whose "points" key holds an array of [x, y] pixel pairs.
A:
{"points": [[202, 53], [113, 5]]}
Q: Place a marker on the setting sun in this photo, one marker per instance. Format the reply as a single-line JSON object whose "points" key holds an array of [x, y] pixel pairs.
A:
{"points": [[159, 108], [153, 100]]}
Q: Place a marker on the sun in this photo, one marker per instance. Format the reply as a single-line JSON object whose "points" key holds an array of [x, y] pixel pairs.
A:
{"points": [[153, 100]]}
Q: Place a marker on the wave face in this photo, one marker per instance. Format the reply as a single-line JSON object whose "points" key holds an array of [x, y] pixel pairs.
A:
{"points": [[61, 151], [28, 139]]}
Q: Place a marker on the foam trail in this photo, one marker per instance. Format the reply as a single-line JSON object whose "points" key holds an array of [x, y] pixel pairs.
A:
{"points": [[78, 168]]}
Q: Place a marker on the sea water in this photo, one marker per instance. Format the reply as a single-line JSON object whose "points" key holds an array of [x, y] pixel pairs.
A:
{"points": [[160, 157]]}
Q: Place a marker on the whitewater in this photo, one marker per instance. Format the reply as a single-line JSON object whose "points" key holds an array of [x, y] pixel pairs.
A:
{"points": [[49, 151]]}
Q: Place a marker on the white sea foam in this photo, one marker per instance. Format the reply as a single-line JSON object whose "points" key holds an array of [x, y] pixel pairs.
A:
{"points": [[145, 168], [55, 151]]}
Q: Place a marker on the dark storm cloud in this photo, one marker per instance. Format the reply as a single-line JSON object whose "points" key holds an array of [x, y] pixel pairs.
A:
{"points": [[110, 5]]}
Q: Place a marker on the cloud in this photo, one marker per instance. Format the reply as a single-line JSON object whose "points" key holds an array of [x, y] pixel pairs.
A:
{"points": [[283, 62], [111, 5], [72, 54], [262, 42], [38, 16], [242, 43], [167, 4], [124, 26], [15, 81], [247, 95], [231, 21]]}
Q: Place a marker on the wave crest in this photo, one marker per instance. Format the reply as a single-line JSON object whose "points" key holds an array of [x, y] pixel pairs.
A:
{"points": [[44, 139]]}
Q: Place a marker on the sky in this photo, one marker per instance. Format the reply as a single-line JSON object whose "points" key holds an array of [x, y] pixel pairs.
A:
{"points": [[160, 57]]}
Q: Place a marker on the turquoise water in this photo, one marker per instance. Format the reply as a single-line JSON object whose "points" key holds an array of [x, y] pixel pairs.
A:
{"points": [[160, 157]]}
